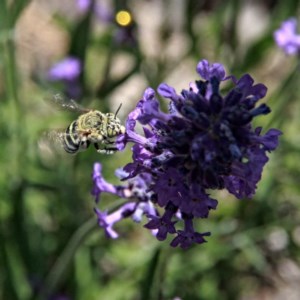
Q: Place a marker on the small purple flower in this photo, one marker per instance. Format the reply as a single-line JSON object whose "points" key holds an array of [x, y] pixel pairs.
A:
{"points": [[286, 37], [83, 5], [103, 12], [187, 237], [204, 142], [67, 71]]}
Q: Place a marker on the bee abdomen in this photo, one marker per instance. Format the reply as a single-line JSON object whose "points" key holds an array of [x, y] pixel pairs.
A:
{"points": [[71, 141]]}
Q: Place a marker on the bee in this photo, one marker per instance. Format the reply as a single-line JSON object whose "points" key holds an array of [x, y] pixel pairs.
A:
{"points": [[91, 127]]}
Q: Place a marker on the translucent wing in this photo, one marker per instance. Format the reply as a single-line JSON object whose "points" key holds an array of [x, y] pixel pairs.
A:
{"points": [[56, 136], [66, 104], [52, 140]]}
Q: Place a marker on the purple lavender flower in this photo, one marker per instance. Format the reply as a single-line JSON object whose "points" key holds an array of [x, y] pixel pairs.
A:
{"points": [[67, 71], [83, 5], [102, 10], [286, 37], [205, 141]]}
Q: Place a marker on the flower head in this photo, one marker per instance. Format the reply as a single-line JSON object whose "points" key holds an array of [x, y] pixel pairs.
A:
{"points": [[205, 141], [287, 38], [67, 71], [83, 5]]}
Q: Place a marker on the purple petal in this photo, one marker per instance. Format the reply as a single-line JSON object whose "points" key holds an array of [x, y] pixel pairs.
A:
{"points": [[207, 71], [167, 91]]}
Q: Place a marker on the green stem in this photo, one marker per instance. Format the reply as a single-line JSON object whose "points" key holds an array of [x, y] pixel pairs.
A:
{"points": [[16, 125], [62, 263], [285, 93], [55, 276]]}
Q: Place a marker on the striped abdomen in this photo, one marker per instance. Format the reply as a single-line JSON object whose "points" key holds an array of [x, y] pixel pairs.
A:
{"points": [[71, 140]]}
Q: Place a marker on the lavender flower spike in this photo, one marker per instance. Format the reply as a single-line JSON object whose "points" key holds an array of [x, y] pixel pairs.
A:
{"points": [[286, 37], [206, 141], [67, 69]]}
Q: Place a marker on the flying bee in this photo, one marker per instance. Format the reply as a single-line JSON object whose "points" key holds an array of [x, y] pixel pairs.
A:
{"points": [[91, 127]]}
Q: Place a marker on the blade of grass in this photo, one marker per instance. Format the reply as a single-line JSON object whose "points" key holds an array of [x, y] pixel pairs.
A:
{"points": [[57, 272], [147, 285], [61, 265]]}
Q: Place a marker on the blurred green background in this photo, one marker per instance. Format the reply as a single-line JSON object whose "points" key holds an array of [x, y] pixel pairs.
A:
{"points": [[50, 245]]}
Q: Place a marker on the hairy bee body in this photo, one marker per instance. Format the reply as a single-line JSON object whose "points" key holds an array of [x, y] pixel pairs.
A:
{"points": [[91, 127]]}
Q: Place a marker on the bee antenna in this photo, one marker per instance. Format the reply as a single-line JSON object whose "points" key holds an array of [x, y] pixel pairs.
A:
{"points": [[118, 110]]}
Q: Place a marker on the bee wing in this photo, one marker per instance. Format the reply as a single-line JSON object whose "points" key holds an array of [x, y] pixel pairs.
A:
{"points": [[52, 140], [66, 104]]}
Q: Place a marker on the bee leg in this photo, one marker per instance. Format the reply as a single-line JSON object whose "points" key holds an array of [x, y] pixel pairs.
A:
{"points": [[105, 150], [108, 150], [84, 144]]}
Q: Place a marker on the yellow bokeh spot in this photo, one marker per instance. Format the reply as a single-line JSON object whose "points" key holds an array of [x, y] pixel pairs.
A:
{"points": [[123, 18]]}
